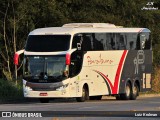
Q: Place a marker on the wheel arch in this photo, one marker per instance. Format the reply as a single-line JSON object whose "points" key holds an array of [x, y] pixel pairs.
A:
{"points": [[128, 81], [85, 93], [86, 86]]}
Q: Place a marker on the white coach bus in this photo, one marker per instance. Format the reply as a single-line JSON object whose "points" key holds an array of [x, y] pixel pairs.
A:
{"points": [[86, 61]]}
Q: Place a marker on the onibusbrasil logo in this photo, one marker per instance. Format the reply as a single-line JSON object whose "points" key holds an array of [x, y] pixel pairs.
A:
{"points": [[20, 114]]}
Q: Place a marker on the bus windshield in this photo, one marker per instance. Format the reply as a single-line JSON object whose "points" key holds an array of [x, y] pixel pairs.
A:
{"points": [[47, 43], [44, 67]]}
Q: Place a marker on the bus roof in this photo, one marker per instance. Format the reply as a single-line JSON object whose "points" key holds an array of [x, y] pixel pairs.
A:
{"points": [[74, 28]]}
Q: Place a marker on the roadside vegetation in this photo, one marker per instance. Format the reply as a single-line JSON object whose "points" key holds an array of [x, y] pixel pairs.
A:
{"points": [[9, 91], [156, 80]]}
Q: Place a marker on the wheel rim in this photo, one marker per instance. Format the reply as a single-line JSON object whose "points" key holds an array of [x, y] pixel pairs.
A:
{"points": [[135, 90]]}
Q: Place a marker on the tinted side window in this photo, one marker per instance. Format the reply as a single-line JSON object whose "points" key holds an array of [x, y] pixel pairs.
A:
{"points": [[76, 39], [84, 39], [113, 41], [131, 41], [145, 41], [98, 41], [148, 44], [86, 44], [110, 41], [119, 41]]}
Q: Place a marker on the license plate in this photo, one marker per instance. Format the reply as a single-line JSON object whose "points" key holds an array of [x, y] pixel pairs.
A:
{"points": [[43, 94]]}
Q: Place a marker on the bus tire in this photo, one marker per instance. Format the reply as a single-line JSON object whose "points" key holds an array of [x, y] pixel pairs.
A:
{"points": [[44, 100], [127, 94], [118, 97], [92, 98], [85, 95], [135, 92], [99, 97]]}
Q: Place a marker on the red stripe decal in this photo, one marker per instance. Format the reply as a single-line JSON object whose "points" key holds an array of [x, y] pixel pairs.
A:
{"points": [[117, 77], [114, 88], [107, 79]]}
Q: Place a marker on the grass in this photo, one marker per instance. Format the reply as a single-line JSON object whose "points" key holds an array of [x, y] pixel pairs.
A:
{"points": [[156, 80], [149, 92], [10, 91]]}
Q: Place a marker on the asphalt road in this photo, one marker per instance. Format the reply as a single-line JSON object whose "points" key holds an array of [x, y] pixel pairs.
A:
{"points": [[70, 106]]}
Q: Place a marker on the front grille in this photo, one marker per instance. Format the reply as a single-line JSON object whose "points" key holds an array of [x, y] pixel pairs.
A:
{"points": [[43, 89], [44, 86]]}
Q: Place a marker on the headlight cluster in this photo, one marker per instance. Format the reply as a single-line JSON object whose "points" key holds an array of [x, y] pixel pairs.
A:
{"points": [[27, 88], [62, 87]]}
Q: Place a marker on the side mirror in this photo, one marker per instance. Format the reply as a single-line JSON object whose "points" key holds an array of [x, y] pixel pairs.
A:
{"points": [[16, 56], [68, 59], [78, 46]]}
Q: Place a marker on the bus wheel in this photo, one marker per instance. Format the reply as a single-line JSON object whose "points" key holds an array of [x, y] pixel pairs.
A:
{"points": [[135, 92], [44, 100], [127, 94], [85, 95], [92, 98], [118, 97], [96, 97], [99, 97]]}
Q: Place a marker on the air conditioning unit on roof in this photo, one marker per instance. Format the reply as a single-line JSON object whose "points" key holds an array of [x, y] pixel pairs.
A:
{"points": [[91, 25]]}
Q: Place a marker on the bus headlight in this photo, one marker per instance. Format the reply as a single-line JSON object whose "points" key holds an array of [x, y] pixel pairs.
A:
{"points": [[27, 88], [62, 87]]}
